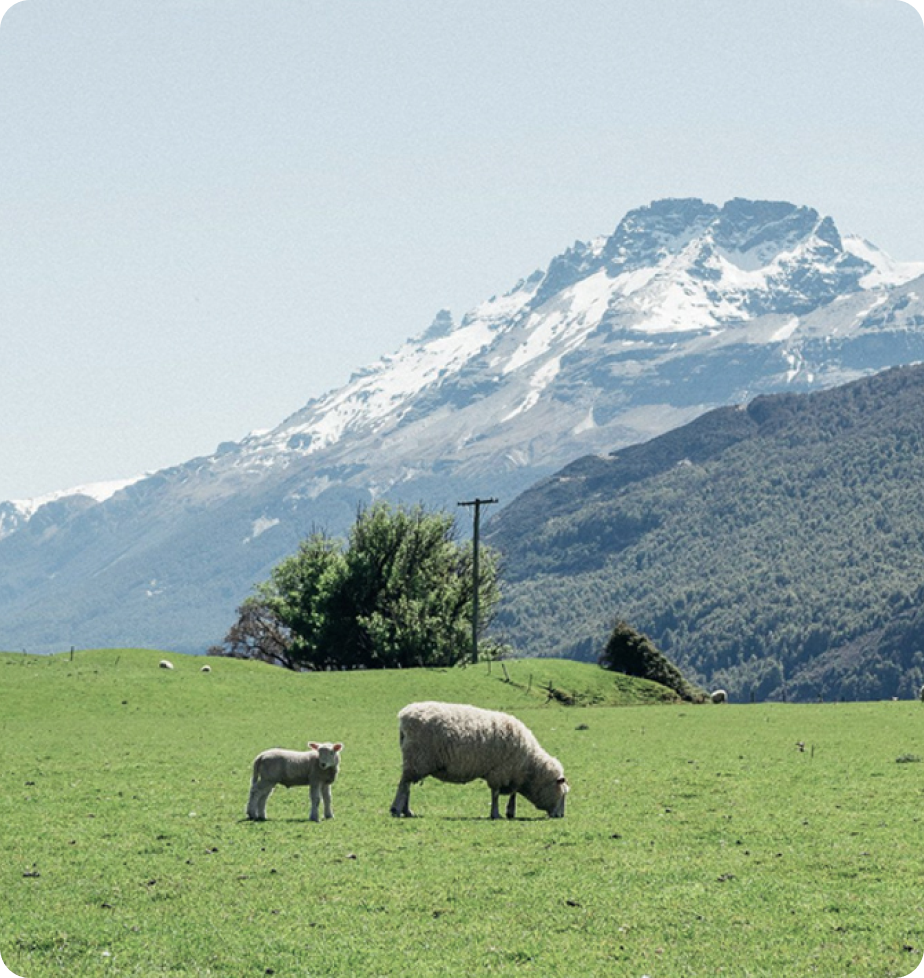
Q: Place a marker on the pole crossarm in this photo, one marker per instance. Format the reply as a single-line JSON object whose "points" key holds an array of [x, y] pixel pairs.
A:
{"points": [[477, 504]]}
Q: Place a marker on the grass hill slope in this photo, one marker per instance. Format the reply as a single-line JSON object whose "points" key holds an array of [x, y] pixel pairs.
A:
{"points": [[697, 840], [775, 549]]}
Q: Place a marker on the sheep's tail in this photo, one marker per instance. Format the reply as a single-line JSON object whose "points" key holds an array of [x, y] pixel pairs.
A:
{"points": [[255, 776]]}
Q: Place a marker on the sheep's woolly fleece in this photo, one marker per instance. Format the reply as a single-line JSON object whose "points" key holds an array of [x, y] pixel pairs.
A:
{"points": [[460, 743]]}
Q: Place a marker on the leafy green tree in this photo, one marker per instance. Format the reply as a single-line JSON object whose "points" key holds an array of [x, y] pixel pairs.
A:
{"points": [[630, 652], [397, 593], [300, 594]]}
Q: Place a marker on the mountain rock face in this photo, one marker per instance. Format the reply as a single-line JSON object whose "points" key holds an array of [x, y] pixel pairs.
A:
{"points": [[686, 306], [775, 550]]}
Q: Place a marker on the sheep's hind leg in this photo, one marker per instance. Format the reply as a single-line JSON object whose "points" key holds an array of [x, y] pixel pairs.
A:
{"points": [[512, 805], [401, 806], [495, 809]]}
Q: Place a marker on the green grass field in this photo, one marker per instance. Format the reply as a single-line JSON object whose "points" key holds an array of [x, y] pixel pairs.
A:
{"points": [[699, 840]]}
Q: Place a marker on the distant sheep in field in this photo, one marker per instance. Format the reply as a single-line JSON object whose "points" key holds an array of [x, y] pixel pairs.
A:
{"points": [[316, 767], [206, 669], [165, 664], [458, 744], [719, 696], [921, 694]]}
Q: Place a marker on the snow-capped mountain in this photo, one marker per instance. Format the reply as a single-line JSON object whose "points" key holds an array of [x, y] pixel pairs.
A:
{"points": [[15, 512], [686, 306]]}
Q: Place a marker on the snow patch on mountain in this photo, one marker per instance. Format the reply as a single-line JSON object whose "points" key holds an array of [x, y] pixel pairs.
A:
{"points": [[97, 491], [885, 270], [260, 526], [564, 321], [16, 513], [785, 331]]}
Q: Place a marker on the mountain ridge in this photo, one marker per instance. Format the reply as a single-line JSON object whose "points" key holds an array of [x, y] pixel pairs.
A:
{"points": [[775, 549], [686, 306]]}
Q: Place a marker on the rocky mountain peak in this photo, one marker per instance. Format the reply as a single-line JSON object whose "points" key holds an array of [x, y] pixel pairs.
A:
{"points": [[647, 235], [442, 325]]}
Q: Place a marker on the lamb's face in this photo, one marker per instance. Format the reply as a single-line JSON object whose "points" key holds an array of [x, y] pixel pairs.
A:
{"points": [[328, 755]]}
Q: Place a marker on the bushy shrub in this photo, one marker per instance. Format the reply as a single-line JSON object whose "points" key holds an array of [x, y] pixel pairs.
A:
{"points": [[630, 652]]}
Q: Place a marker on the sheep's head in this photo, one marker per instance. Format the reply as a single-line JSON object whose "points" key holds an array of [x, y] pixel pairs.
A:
{"points": [[561, 789], [550, 793], [328, 755]]}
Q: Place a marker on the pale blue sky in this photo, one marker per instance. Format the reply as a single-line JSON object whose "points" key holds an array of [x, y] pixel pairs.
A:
{"points": [[213, 210]]}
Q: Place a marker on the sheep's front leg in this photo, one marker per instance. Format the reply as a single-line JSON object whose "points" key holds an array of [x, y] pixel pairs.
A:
{"points": [[512, 805], [495, 808], [402, 803], [315, 801], [325, 794]]}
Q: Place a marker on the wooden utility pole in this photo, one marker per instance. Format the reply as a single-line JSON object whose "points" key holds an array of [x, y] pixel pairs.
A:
{"points": [[477, 503]]}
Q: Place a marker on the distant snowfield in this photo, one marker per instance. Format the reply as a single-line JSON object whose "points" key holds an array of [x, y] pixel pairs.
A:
{"points": [[98, 491], [784, 332], [886, 271]]}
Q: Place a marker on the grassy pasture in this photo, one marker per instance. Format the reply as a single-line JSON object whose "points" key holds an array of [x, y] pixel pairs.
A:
{"points": [[699, 840]]}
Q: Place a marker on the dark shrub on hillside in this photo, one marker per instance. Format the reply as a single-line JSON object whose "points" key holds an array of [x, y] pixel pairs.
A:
{"points": [[634, 654]]}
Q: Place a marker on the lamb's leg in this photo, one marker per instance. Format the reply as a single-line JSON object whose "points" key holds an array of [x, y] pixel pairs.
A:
{"points": [[512, 805], [315, 800], [325, 794], [402, 803], [495, 797], [256, 803], [252, 802]]}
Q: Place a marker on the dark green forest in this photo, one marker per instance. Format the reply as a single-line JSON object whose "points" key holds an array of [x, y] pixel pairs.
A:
{"points": [[774, 549]]}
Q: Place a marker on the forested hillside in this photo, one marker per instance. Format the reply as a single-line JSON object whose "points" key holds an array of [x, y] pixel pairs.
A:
{"points": [[776, 549]]}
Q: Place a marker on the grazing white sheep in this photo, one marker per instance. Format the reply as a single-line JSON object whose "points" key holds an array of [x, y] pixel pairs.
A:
{"points": [[165, 664], [317, 767], [458, 744], [206, 669], [719, 696]]}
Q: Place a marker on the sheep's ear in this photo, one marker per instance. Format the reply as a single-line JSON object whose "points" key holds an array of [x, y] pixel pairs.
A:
{"points": [[313, 746], [338, 748], [561, 780]]}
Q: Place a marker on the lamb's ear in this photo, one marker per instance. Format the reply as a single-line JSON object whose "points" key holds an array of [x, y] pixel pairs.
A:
{"points": [[313, 746], [561, 780], [338, 748]]}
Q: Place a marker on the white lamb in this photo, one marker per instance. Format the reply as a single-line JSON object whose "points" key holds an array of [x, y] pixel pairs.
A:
{"points": [[458, 744], [165, 664], [719, 696], [316, 767]]}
